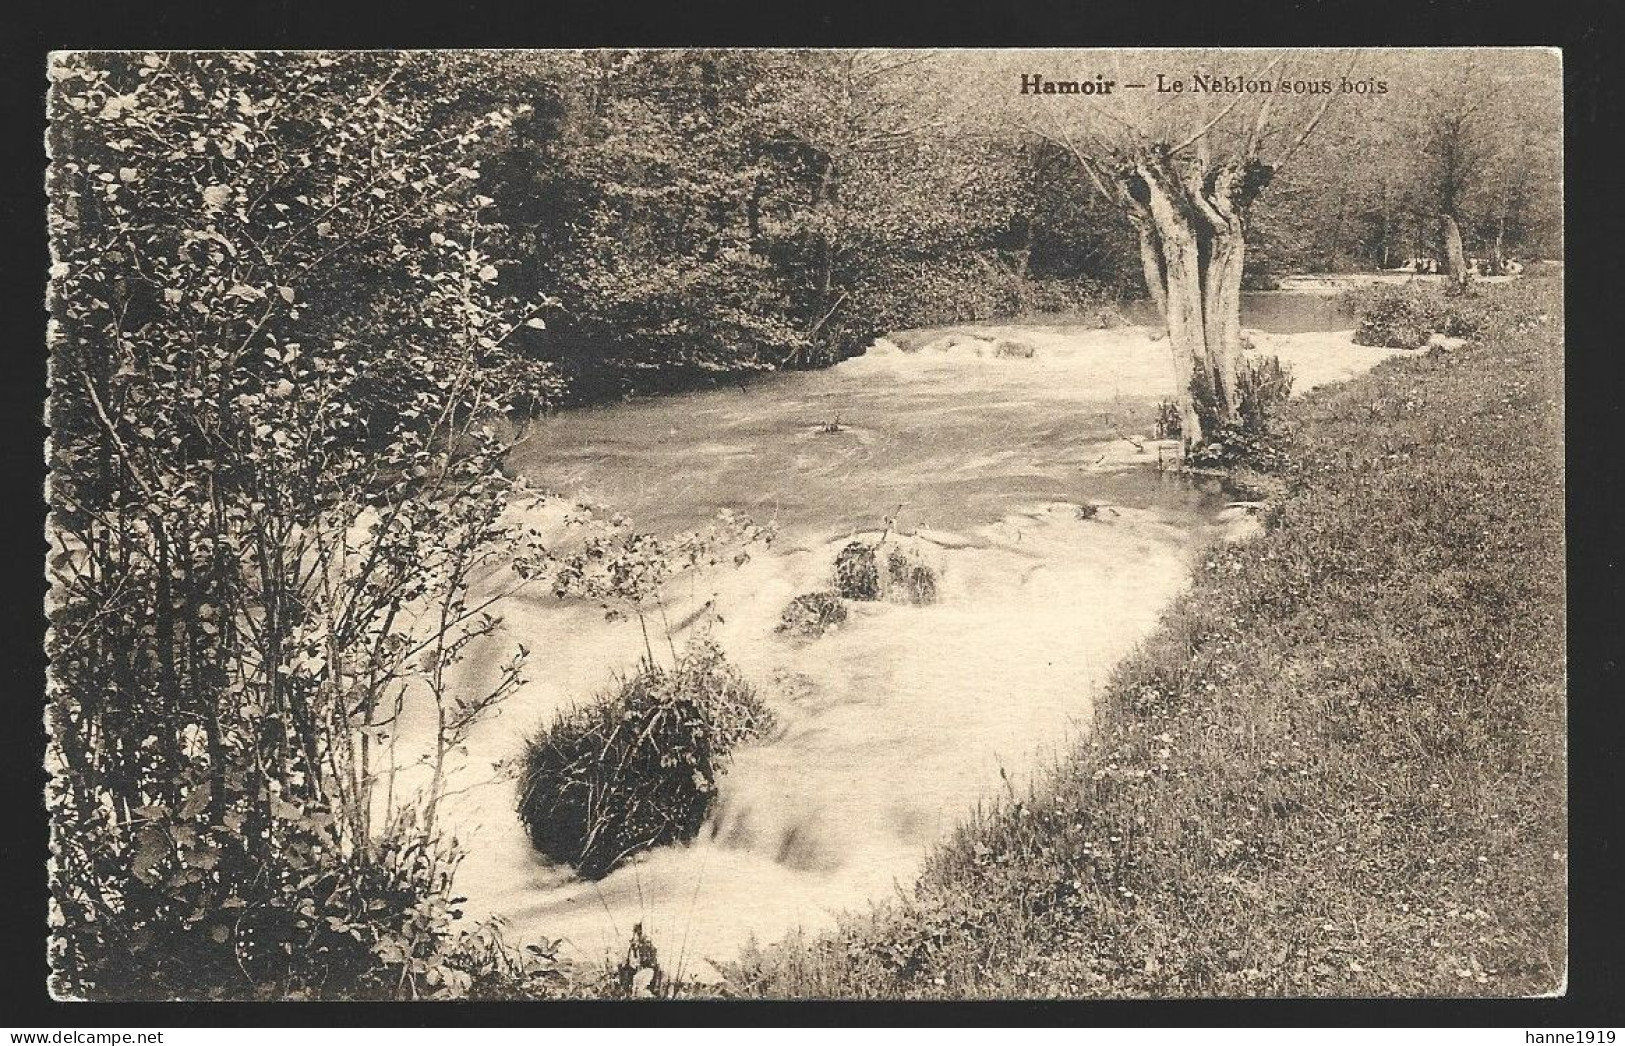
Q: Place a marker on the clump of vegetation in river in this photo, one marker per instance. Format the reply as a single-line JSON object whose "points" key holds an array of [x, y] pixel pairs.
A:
{"points": [[1318, 777], [857, 571], [909, 578], [885, 570], [637, 768], [1013, 348], [812, 614]]}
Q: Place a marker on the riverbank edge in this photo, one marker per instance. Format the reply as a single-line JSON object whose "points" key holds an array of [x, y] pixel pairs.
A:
{"points": [[1336, 769]]}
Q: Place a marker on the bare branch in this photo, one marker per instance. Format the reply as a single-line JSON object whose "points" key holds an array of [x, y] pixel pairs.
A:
{"points": [[1314, 121], [1255, 135], [1227, 110], [1091, 165]]}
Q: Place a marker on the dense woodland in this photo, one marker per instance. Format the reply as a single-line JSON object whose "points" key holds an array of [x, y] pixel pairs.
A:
{"points": [[291, 291]]}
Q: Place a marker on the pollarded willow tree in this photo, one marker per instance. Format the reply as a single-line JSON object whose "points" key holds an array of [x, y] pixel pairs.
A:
{"points": [[1488, 132], [1182, 143]]}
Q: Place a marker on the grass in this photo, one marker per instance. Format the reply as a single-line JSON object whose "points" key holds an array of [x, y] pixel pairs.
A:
{"points": [[1337, 768]]}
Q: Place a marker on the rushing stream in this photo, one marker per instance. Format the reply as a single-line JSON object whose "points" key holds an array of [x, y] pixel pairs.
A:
{"points": [[893, 727]]}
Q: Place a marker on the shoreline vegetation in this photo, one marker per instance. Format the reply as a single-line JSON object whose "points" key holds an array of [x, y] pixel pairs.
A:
{"points": [[1338, 766]]}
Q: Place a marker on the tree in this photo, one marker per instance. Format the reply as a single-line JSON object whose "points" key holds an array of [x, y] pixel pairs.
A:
{"points": [[1458, 133], [1489, 135], [654, 200], [1187, 177], [277, 341], [883, 226], [1184, 167]]}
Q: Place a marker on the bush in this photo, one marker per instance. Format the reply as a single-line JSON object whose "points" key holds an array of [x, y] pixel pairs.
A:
{"points": [[1089, 302], [1405, 317], [313, 922], [250, 501], [1395, 318], [637, 768], [813, 614], [1263, 385]]}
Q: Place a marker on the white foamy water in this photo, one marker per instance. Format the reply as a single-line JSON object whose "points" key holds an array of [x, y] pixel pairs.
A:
{"points": [[894, 726]]}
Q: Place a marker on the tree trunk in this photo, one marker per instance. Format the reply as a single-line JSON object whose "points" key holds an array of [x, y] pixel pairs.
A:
{"points": [[1498, 261], [1227, 256], [1180, 265], [1382, 233], [1190, 220], [1222, 308], [1156, 281], [1455, 257], [1190, 215]]}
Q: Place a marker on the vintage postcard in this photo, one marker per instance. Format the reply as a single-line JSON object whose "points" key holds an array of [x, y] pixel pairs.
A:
{"points": [[806, 524]]}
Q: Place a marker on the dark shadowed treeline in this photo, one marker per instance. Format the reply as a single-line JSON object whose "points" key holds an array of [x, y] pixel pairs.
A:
{"points": [[691, 213]]}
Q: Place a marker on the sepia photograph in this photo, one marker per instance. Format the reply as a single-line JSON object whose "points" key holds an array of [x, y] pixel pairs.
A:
{"points": [[806, 524]]}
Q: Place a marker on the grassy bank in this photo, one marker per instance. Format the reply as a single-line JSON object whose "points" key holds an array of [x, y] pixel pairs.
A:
{"points": [[1338, 766]]}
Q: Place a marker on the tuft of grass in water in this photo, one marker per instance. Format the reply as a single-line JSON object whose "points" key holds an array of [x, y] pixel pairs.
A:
{"points": [[1012, 348], [857, 571], [812, 614], [637, 768], [885, 570], [910, 578], [1337, 768]]}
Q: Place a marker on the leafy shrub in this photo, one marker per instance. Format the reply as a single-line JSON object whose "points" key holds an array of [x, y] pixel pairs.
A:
{"points": [[637, 768], [1086, 300], [1405, 317], [207, 915], [1395, 317], [250, 501], [1263, 385], [812, 614]]}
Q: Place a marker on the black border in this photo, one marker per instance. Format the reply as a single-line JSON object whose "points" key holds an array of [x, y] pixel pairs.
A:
{"points": [[1591, 43]]}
